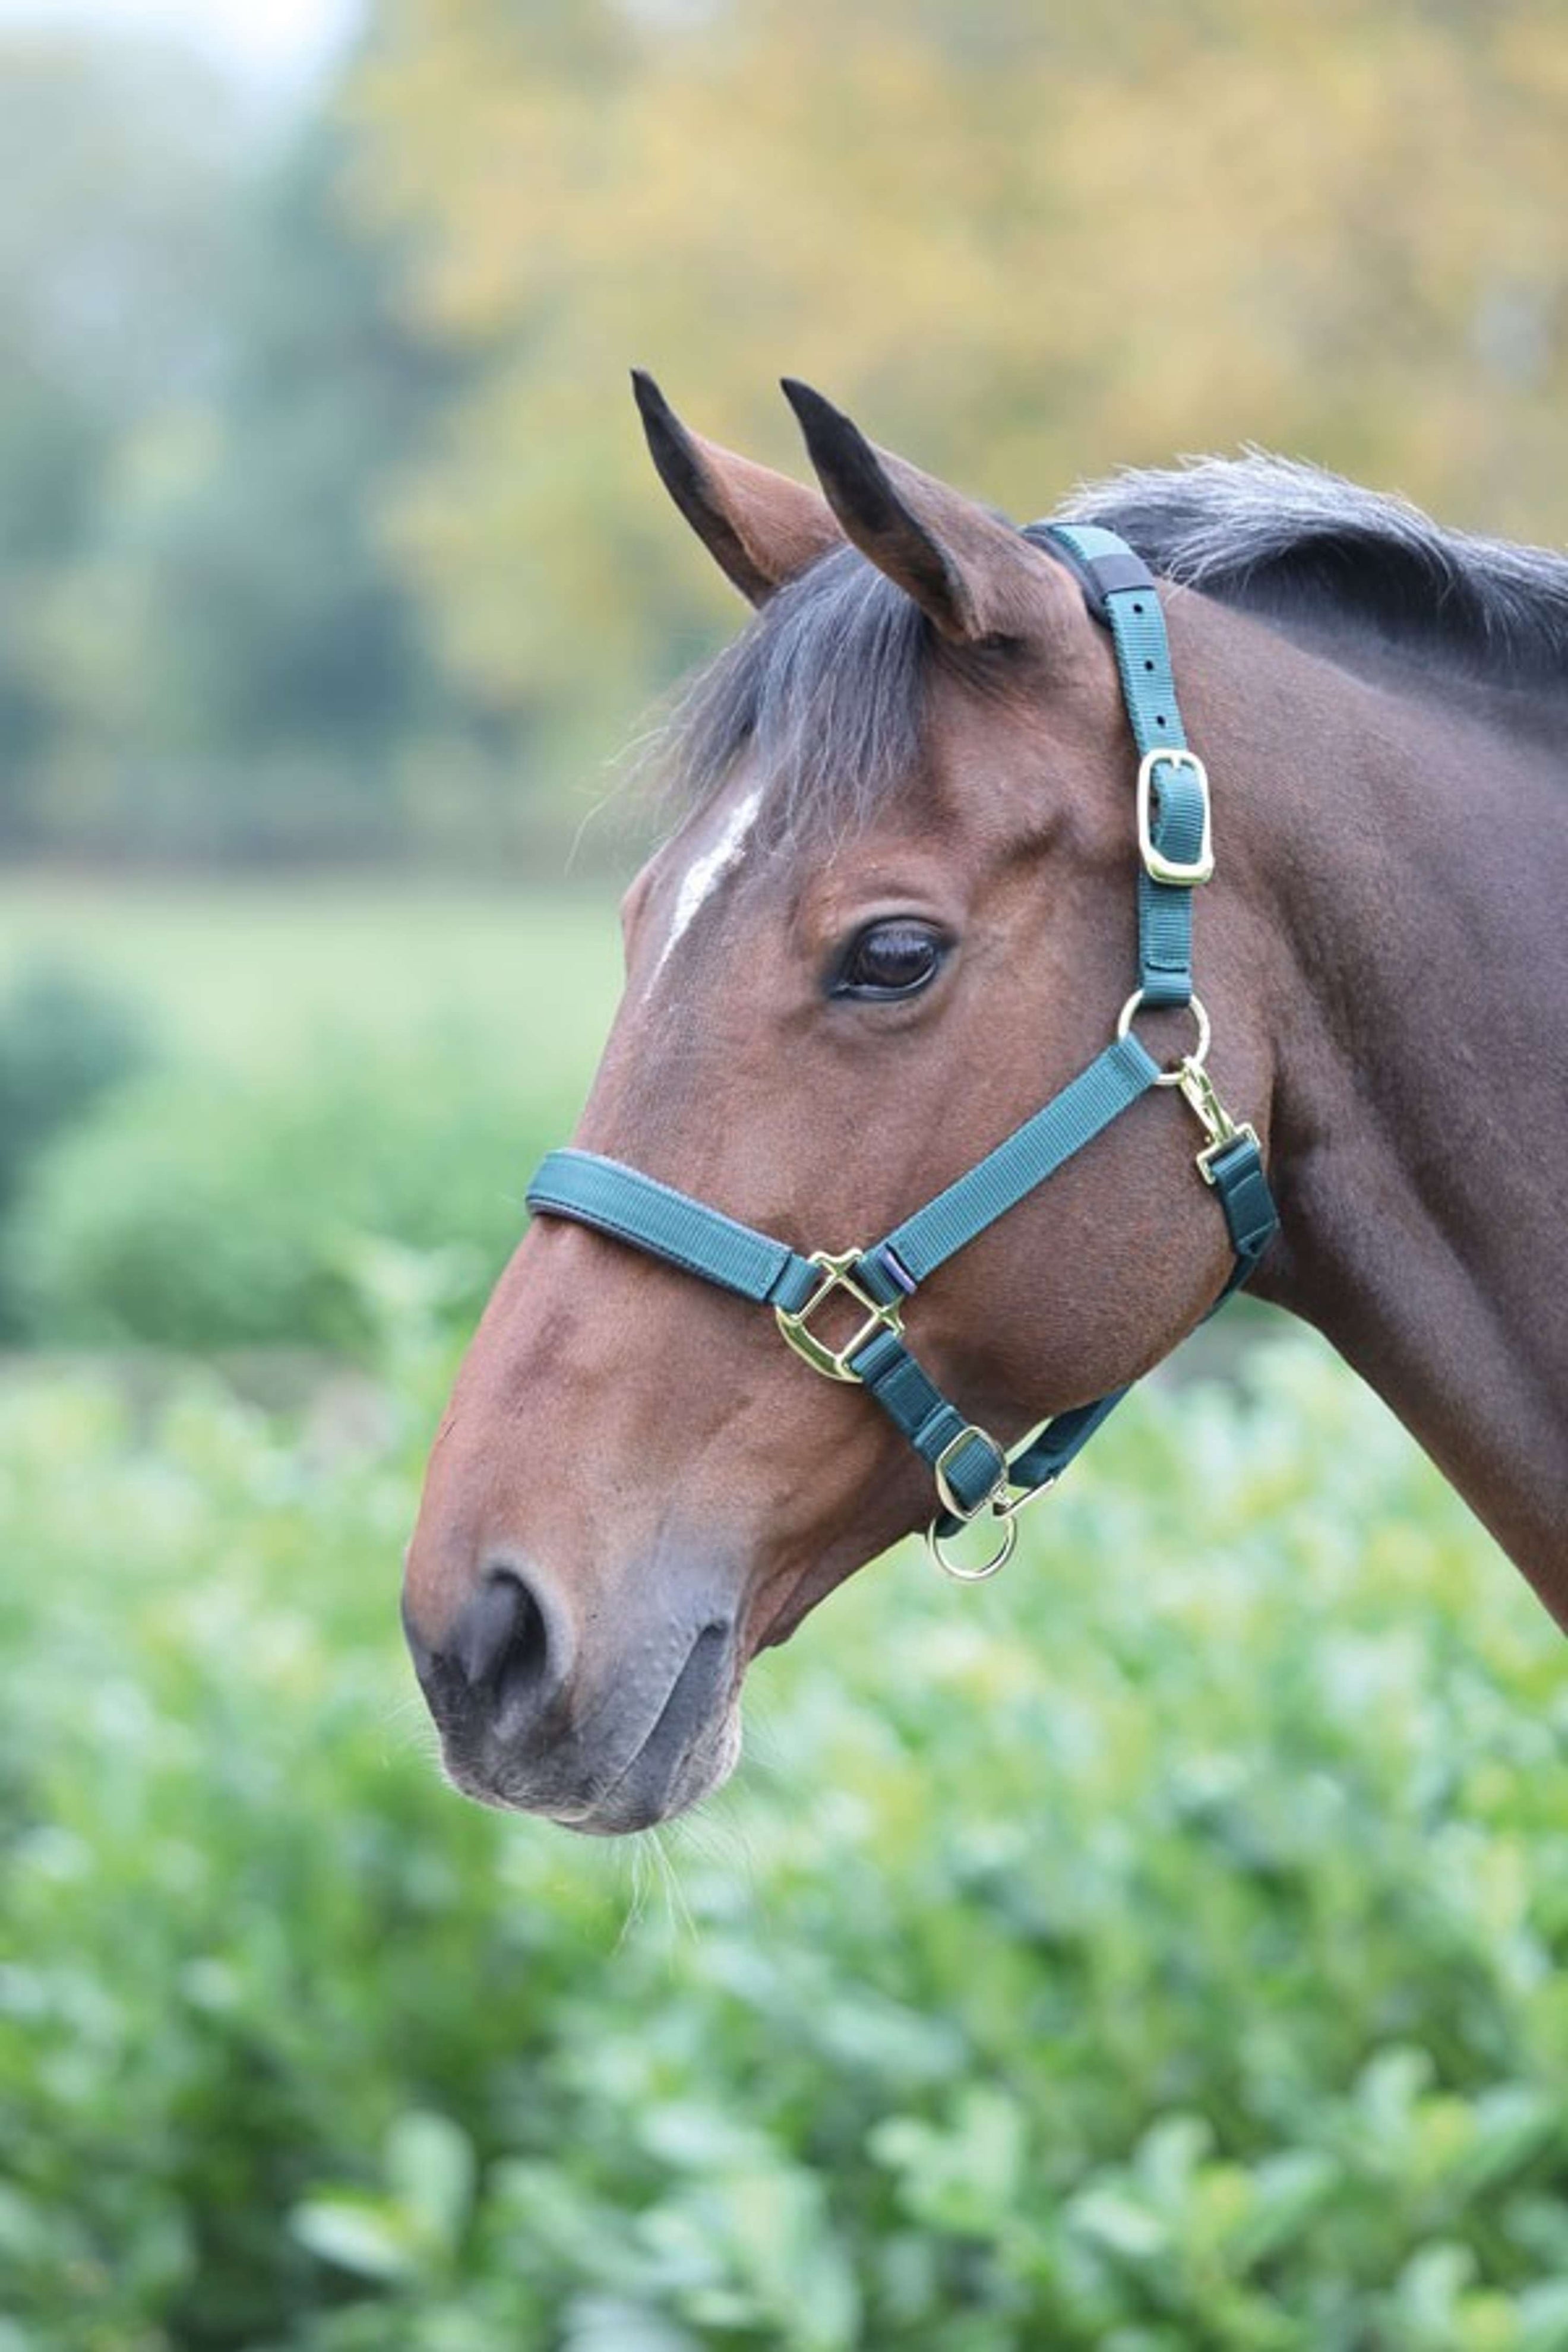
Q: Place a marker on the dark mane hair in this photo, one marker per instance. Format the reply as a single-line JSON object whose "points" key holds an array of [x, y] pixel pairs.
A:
{"points": [[1289, 541], [827, 684]]}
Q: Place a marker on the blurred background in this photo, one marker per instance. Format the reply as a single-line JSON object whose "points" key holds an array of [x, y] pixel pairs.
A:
{"points": [[1161, 1950]]}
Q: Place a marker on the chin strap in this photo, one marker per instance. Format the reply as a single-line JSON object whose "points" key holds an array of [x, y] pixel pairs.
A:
{"points": [[974, 1475]]}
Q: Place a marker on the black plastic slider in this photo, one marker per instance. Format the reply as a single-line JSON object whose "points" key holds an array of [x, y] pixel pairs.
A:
{"points": [[1099, 576]]}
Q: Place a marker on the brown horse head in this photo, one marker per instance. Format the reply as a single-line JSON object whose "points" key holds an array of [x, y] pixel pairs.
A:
{"points": [[899, 915]]}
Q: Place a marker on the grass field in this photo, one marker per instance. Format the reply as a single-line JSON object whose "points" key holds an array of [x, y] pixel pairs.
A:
{"points": [[250, 973]]}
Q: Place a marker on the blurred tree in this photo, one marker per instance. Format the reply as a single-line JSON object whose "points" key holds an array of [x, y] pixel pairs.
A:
{"points": [[110, 260], [209, 649], [321, 519], [238, 623], [1022, 244]]}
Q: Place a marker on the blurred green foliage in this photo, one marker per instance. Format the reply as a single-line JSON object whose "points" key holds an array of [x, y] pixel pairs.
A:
{"points": [[1161, 1948], [252, 975], [108, 274], [341, 1074], [203, 1214], [65, 1043]]}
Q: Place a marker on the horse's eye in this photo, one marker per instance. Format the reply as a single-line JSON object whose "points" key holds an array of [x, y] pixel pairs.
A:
{"points": [[891, 958]]}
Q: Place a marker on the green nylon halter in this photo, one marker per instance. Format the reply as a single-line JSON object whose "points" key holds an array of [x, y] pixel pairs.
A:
{"points": [[973, 1474]]}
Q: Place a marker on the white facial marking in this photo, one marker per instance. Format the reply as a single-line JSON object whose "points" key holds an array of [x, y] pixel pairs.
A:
{"points": [[704, 871]]}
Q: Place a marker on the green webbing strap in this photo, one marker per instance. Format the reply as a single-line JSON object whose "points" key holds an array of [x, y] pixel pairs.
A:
{"points": [[913, 1402], [1122, 591], [1252, 1222], [1031, 1153], [975, 1468], [635, 1208], [1251, 1218], [655, 1217], [1041, 1462]]}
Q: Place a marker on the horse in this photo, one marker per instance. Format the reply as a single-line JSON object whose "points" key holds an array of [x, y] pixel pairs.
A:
{"points": [[896, 912]]}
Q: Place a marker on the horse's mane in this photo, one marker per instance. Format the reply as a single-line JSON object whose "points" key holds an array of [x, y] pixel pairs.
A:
{"points": [[1292, 542], [826, 686]]}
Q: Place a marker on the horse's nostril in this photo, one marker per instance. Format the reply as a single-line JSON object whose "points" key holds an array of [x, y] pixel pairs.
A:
{"points": [[501, 1667], [523, 1671], [500, 1650], [487, 1624]]}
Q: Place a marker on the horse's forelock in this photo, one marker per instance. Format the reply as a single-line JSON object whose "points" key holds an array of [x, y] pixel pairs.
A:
{"points": [[823, 691]]}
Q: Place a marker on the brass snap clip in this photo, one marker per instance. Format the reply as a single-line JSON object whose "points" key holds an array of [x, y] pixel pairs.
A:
{"points": [[1004, 1509], [1198, 1092]]}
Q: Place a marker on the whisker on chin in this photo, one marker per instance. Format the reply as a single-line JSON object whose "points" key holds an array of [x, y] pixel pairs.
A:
{"points": [[636, 1900], [407, 1728], [678, 1910], [717, 1833]]}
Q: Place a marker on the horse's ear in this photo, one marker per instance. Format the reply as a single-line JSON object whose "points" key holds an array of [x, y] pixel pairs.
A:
{"points": [[970, 571], [760, 528]]}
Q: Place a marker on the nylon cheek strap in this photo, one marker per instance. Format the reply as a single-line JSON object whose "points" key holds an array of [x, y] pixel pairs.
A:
{"points": [[1031, 1153], [1173, 786]]}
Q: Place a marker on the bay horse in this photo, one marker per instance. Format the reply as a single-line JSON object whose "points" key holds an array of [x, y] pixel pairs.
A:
{"points": [[897, 914]]}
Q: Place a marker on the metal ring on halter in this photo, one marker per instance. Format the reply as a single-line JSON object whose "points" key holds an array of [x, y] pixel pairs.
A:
{"points": [[1006, 1520], [1195, 1059]]}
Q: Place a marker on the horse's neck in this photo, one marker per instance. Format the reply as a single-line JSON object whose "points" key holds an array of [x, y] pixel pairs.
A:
{"points": [[1413, 860]]}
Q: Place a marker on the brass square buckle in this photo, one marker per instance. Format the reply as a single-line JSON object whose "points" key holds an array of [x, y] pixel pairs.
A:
{"points": [[833, 1363], [1184, 873]]}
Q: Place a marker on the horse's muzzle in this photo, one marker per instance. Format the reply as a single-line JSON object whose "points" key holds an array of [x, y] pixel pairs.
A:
{"points": [[525, 1724]]}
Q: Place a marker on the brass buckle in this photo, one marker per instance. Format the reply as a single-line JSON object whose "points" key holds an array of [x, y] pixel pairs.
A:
{"points": [[1184, 873], [995, 1500], [833, 1363]]}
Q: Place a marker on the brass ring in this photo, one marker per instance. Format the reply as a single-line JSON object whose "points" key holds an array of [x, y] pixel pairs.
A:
{"points": [[959, 1573], [1196, 1059]]}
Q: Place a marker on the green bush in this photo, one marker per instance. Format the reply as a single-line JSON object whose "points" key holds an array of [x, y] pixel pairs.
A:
{"points": [[1161, 1948], [65, 1043], [202, 1213]]}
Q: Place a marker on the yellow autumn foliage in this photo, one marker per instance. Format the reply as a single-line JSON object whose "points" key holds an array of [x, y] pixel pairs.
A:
{"points": [[1021, 243]]}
